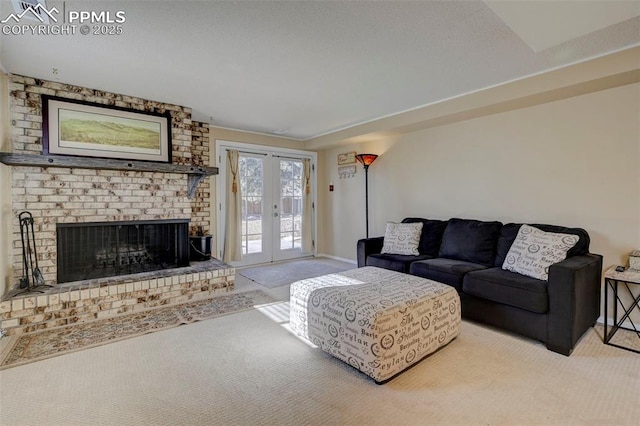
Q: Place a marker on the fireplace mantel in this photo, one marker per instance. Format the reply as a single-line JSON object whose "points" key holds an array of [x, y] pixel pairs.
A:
{"points": [[195, 173]]}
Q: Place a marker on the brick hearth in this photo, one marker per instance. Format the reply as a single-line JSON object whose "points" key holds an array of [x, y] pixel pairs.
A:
{"points": [[84, 301]]}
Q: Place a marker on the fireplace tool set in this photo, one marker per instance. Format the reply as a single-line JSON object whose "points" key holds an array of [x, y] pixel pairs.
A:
{"points": [[32, 276]]}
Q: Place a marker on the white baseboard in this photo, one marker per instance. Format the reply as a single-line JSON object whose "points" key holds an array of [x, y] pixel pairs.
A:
{"points": [[340, 259]]}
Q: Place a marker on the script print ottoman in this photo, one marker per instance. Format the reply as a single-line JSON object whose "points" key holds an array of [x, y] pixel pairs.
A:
{"points": [[378, 321]]}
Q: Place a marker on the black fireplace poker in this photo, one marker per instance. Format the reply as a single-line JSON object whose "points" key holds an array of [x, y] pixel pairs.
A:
{"points": [[32, 277]]}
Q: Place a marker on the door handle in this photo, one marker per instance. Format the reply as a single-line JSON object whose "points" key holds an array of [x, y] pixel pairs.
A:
{"points": [[275, 214]]}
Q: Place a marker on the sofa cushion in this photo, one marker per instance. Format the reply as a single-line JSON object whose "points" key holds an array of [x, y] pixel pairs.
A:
{"points": [[509, 288], [447, 271], [534, 251], [509, 232], [431, 237], [402, 238], [470, 240], [394, 262]]}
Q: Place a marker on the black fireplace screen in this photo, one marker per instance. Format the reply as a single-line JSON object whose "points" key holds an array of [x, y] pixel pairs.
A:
{"points": [[105, 249]]}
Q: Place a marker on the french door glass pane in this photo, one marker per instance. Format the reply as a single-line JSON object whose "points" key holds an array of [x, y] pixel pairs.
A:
{"points": [[251, 171], [290, 204]]}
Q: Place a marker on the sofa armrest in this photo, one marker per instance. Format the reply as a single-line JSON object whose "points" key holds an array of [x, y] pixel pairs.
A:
{"points": [[367, 247], [574, 290]]}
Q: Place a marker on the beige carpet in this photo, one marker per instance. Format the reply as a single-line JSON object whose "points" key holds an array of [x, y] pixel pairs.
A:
{"points": [[247, 369], [280, 274], [37, 346]]}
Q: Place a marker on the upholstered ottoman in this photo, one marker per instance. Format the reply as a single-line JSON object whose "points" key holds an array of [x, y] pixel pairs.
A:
{"points": [[378, 321]]}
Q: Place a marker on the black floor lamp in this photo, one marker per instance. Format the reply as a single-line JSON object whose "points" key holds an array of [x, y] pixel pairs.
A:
{"points": [[366, 160]]}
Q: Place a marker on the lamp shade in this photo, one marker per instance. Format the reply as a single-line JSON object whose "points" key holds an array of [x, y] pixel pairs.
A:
{"points": [[366, 159]]}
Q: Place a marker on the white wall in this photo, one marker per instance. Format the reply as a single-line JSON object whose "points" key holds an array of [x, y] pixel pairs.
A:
{"points": [[225, 134], [573, 162]]}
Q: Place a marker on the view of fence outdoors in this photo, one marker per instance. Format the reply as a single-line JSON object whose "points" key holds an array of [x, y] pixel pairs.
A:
{"points": [[254, 212], [290, 204]]}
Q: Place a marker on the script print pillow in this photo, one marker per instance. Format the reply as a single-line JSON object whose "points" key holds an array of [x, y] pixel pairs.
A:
{"points": [[534, 251], [402, 238]]}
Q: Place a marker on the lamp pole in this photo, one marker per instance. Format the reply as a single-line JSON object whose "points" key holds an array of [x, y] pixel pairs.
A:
{"points": [[366, 160], [366, 196]]}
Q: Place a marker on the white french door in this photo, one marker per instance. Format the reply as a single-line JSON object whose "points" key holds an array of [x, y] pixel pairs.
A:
{"points": [[272, 187], [287, 208], [254, 175]]}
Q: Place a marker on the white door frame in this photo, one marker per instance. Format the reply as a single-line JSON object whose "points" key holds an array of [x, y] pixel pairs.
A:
{"points": [[220, 158]]}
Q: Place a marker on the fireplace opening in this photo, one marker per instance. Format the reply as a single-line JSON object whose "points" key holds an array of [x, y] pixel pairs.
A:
{"points": [[105, 249]]}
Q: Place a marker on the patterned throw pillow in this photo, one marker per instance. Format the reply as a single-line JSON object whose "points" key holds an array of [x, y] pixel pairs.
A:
{"points": [[534, 251], [402, 238]]}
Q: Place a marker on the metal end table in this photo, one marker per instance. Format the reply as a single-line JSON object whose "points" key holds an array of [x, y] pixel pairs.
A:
{"points": [[615, 280]]}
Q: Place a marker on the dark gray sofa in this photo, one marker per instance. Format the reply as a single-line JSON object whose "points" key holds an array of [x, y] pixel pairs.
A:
{"points": [[468, 255]]}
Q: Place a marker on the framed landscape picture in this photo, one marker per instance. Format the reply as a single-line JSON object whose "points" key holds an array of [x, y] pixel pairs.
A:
{"points": [[71, 127]]}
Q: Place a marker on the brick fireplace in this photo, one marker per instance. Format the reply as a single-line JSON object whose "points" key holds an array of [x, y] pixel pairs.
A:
{"points": [[65, 197]]}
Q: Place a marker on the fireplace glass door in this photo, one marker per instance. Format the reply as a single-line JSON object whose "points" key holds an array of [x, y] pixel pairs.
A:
{"points": [[97, 250]]}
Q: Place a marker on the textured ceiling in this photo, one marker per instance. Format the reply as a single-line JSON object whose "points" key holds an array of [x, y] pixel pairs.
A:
{"points": [[307, 67]]}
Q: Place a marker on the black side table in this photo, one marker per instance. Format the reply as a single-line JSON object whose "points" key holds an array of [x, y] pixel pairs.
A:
{"points": [[615, 280]]}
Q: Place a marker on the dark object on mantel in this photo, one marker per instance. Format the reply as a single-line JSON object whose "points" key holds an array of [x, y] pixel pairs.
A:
{"points": [[195, 173], [31, 275], [200, 247]]}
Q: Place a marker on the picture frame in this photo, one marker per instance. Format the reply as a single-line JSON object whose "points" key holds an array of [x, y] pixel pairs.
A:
{"points": [[87, 129], [346, 158]]}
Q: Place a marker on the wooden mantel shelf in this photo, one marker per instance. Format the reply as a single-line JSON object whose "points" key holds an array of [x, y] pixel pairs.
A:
{"points": [[195, 173]]}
